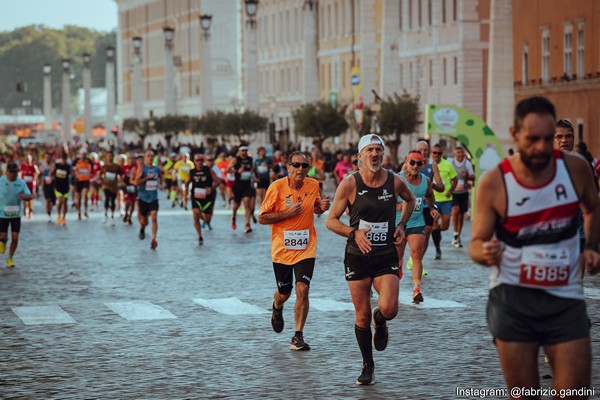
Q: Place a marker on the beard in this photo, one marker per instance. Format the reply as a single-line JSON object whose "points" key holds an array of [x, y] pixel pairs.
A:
{"points": [[537, 162]]}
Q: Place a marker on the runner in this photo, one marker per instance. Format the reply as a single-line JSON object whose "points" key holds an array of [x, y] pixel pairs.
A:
{"points": [[420, 185], [204, 183], [262, 165], [109, 176], [29, 173], [460, 194], [83, 168], [128, 173], [48, 185], [94, 182], [443, 200], [288, 207], [170, 182], [181, 172], [148, 179], [370, 256], [13, 190], [242, 188], [61, 174], [525, 229]]}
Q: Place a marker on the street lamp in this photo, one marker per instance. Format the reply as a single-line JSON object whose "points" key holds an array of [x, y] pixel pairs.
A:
{"points": [[206, 91], [47, 97], [137, 78], [87, 94], [110, 89], [251, 82], [205, 22], [66, 98], [169, 74], [110, 52], [137, 44]]}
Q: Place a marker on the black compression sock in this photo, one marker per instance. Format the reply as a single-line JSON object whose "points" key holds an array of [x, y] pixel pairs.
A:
{"points": [[436, 235], [365, 343]]}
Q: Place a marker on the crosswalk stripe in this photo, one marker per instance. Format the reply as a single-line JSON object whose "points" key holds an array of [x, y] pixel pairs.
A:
{"points": [[139, 310], [43, 315], [231, 306]]}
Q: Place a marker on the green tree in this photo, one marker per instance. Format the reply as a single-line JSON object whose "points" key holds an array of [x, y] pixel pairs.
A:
{"points": [[319, 121], [170, 126], [243, 126], [399, 115]]}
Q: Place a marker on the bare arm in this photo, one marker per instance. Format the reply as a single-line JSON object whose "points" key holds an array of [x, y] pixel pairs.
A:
{"points": [[484, 248], [438, 185], [341, 201]]}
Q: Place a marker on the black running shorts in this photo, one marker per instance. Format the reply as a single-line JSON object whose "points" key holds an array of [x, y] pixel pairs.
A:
{"points": [[14, 223], [518, 314], [303, 270], [359, 267], [145, 208], [462, 201]]}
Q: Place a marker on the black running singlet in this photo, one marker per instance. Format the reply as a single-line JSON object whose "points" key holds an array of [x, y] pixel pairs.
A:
{"points": [[374, 208]]}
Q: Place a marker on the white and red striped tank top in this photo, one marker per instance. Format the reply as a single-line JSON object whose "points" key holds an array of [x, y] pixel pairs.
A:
{"points": [[540, 234]]}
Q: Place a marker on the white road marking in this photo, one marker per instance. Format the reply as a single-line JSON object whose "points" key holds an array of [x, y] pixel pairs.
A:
{"points": [[42, 315], [139, 310], [591, 293], [429, 302], [330, 305], [231, 306]]}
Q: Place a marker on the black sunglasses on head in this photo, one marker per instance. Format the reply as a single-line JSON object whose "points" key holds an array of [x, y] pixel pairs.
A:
{"points": [[298, 165]]}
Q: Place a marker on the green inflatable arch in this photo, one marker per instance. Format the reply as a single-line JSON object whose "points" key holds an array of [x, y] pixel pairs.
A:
{"points": [[470, 130]]}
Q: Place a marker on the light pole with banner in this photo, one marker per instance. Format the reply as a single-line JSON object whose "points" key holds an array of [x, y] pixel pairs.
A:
{"points": [[110, 89], [87, 95], [66, 99], [169, 34], [47, 97], [251, 81], [207, 95], [138, 112]]}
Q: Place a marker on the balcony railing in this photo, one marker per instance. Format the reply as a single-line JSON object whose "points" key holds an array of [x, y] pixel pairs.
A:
{"points": [[564, 79]]}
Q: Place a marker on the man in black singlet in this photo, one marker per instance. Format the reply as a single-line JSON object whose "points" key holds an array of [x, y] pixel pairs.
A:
{"points": [[204, 181], [371, 258], [243, 189]]}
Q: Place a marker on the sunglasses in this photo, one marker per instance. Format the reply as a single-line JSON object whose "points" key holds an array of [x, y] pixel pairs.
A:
{"points": [[304, 165], [417, 163], [437, 153], [198, 159]]}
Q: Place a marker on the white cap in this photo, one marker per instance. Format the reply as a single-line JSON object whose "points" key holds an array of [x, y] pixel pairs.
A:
{"points": [[242, 148], [368, 140], [83, 150]]}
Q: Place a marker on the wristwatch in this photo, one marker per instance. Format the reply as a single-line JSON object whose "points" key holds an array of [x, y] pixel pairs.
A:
{"points": [[351, 234], [403, 224]]}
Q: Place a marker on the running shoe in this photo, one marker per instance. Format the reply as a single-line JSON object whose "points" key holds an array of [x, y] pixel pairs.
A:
{"points": [[209, 226], [64, 221], [455, 241], [9, 262], [112, 221], [153, 244], [2, 247], [277, 319], [142, 234], [105, 219], [254, 219], [438, 254], [203, 225], [425, 272], [380, 334], [299, 344], [58, 220], [233, 225], [458, 244], [86, 216], [417, 295], [200, 241], [409, 264], [247, 229], [367, 375]]}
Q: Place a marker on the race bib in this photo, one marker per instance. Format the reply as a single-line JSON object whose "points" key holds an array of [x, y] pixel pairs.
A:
{"points": [[130, 189], [544, 266], [185, 169], [231, 177], [48, 180], [151, 185], [296, 240], [418, 204], [28, 179], [61, 173], [262, 169], [460, 185], [110, 176], [246, 175], [200, 193], [12, 211], [84, 172], [378, 233]]}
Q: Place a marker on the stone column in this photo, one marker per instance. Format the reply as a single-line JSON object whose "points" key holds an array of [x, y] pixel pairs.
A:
{"points": [[368, 52], [251, 67], [66, 99], [169, 72], [310, 70], [206, 91], [87, 96], [389, 82], [110, 90], [47, 97]]}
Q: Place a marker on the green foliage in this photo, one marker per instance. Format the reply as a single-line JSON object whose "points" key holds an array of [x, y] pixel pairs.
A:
{"points": [[400, 115], [24, 51], [319, 120], [241, 125]]}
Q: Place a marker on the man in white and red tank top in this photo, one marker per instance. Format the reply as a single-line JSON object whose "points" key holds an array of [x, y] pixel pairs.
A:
{"points": [[525, 229]]}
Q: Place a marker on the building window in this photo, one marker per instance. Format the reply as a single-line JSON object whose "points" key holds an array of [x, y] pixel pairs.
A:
{"points": [[273, 30], [445, 73], [580, 51], [568, 51], [454, 10], [443, 11], [546, 55], [400, 15], [419, 6], [525, 66], [456, 70], [335, 20], [429, 13], [410, 8], [288, 28], [343, 15]]}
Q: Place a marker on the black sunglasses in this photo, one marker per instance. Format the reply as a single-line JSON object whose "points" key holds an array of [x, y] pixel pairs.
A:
{"points": [[298, 165], [417, 163], [436, 152]]}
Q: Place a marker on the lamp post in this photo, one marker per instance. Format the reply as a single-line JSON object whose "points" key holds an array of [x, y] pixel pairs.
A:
{"points": [[207, 95], [138, 112], [47, 97], [87, 94], [66, 98], [110, 89], [169, 78], [251, 56]]}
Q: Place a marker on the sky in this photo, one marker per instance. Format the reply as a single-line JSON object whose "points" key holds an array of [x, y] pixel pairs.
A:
{"points": [[100, 15]]}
